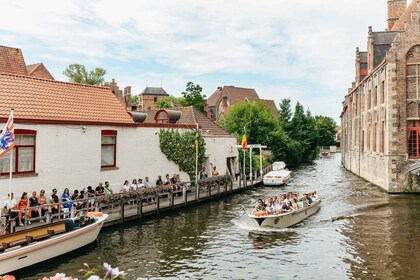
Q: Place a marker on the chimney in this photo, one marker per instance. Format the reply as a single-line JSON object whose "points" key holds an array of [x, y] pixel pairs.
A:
{"points": [[357, 65], [219, 88], [395, 9]]}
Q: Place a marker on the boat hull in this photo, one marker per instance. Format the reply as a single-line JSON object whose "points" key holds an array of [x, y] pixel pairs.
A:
{"points": [[288, 219], [21, 257]]}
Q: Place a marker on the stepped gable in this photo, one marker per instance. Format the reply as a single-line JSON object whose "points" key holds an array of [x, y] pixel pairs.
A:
{"points": [[48, 100], [12, 61], [406, 16], [39, 70]]}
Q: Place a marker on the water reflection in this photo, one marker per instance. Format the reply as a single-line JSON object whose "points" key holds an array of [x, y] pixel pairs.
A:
{"points": [[265, 240]]}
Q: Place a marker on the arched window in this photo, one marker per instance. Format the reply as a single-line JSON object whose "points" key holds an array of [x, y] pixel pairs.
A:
{"points": [[23, 154], [162, 116]]}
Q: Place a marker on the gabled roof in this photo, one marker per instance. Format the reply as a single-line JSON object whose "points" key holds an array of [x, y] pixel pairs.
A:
{"points": [[47, 100], [12, 62], [270, 104], [191, 116], [154, 91], [212, 100], [238, 94], [38, 70]]}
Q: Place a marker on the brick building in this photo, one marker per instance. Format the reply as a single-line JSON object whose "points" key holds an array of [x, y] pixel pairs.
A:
{"points": [[149, 96], [381, 112], [224, 97]]}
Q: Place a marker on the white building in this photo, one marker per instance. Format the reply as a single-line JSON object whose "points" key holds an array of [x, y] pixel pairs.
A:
{"points": [[74, 135]]}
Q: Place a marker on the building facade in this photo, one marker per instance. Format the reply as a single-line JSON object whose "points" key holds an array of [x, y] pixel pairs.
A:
{"points": [[75, 135], [380, 118]]}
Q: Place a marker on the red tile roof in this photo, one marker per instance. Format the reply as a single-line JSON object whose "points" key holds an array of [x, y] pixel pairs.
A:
{"points": [[212, 100], [238, 94], [48, 100], [12, 62]]}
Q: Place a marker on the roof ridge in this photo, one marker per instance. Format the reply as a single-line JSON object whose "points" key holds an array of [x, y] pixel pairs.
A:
{"points": [[52, 81], [193, 110]]}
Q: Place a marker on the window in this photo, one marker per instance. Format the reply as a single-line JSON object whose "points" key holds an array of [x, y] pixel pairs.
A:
{"points": [[369, 101], [382, 148], [108, 148], [413, 72], [383, 92], [375, 97], [162, 116], [23, 154], [155, 99], [413, 139], [374, 138]]}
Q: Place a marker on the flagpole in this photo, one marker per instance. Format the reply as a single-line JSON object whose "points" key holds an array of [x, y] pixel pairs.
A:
{"points": [[11, 165], [244, 160], [196, 159]]}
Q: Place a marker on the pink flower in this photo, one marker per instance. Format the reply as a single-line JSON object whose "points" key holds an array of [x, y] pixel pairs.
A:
{"points": [[8, 277]]}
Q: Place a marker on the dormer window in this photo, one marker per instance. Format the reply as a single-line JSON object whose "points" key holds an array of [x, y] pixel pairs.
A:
{"points": [[162, 117]]}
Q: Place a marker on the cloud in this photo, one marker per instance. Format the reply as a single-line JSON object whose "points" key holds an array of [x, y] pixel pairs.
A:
{"points": [[274, 45]]}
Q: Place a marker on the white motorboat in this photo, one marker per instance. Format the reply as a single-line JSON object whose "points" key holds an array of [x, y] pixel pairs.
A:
{"points": [[279, 176], [27, 247], [287, 219]]}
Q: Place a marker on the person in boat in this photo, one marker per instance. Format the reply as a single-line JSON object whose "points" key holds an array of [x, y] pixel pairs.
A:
{"points": [[22, 204], [260, 206], [65, 197], [308, 199], [284, 207], [33, 202], [290, 205], [295, 203], [270, 208]]}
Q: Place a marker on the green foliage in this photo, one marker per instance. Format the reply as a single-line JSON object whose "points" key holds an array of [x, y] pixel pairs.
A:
{"points": [[77, 73], [180, 148], [192, 96], [285, 113], [326, 128], [164, 103], [257, 118], [134, 98]]}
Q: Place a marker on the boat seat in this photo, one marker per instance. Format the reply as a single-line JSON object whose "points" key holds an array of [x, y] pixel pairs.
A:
{"points": [[21, 242], [38, 237], [52, 232]]}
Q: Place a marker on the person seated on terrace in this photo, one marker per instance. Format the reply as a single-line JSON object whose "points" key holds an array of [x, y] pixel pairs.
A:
{"points": [[159, 181], [134, 185], [10, 207], [99, 191], [167, 180], [81, 196], [140, 184], [42, 200], [147, 183], [108, 188], [125, 187], [33, 202]]}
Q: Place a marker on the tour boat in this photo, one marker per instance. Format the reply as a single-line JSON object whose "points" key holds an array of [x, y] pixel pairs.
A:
{"points": [[287, 219], [30, 246], [280, 175]]}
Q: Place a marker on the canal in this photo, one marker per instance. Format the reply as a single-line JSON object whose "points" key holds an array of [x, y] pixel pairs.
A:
{"points": [[359, 233]]}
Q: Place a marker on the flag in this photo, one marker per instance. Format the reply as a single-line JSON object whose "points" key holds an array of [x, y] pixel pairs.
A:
{"points": [[244, 142], [7, 136], [196, 139]]}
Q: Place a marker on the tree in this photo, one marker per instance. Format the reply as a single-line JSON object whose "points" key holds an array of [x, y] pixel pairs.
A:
{"points": [[134, 98], [193, 97], [326, 128], [77, 73], [164, 103], [285, 113], [257, 118]]}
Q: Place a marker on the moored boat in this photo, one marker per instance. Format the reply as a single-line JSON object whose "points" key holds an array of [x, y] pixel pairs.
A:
{"points": [[27, 247], [286, 219], [280, 175]]}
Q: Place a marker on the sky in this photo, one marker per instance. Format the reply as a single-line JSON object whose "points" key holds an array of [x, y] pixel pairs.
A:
{"points": [[303, 50]]}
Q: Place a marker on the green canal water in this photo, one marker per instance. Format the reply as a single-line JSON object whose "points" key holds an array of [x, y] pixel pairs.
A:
{"points": [[359, 233]]}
